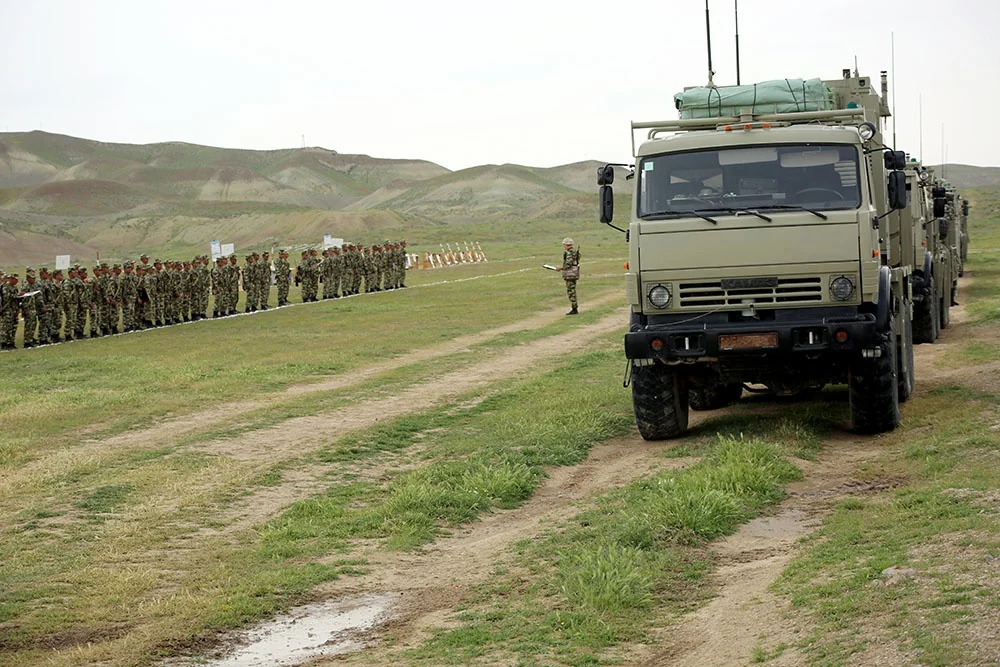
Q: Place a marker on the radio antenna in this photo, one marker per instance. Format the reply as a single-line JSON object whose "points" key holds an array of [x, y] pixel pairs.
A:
{"points": [[892, 42], [708, 33], [920, 111], [736, 11]]}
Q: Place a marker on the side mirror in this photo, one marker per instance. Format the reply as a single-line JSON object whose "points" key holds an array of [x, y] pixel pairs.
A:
{"points": [[605, 175], [965, 208], [607, 197], [944, 226], [897, 190], [894, 160], [939, 207]]}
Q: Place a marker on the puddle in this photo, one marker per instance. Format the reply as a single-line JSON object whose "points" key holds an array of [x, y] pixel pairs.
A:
{"points": [[324, 629]]}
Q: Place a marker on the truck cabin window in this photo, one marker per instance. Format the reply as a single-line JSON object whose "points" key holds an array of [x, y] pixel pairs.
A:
{"points": [[819, 177]]}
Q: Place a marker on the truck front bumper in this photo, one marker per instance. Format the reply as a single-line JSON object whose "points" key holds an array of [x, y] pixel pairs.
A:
{"points": [[715, 336]]}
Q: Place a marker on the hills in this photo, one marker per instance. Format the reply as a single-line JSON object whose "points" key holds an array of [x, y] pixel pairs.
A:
{"points": [[66, 195], [85, 196]]}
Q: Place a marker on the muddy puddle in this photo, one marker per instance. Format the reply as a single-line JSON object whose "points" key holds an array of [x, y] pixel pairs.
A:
{"points": [[327, 628]]}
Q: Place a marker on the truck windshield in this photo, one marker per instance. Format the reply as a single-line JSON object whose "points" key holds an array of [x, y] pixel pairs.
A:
{"points": [[788, 176]]}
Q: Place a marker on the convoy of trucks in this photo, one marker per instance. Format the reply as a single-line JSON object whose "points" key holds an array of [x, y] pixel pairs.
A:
{"points": [[777, 244]]}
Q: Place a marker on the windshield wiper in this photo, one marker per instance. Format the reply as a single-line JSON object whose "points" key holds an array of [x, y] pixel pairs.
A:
{"points": [[666, 215], [737, 211], [796, 207]]}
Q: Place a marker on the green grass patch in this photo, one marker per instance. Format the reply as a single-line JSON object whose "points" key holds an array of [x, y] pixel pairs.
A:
{"points": [[637, 555]]}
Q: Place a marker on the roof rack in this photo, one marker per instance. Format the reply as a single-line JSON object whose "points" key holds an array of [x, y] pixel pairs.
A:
{"points": [[689, 124]]}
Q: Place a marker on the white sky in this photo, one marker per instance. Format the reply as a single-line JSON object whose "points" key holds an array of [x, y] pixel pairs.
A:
{"points": [[464, 83]]}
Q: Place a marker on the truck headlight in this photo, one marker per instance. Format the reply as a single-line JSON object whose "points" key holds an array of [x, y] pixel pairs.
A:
{"points": [[867, 130], [841, 288], [659, 296]]}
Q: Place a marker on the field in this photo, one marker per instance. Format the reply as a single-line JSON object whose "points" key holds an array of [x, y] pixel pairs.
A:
{"points": [[465, 456]]}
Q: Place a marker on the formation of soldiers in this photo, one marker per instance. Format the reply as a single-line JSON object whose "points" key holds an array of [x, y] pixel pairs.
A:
{"points": [[352, 269], [68, 305]]}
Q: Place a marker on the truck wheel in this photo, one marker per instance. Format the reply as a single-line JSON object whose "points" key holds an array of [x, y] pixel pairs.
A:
{"points": [[874, 390], [660, 402], [714, 396], [905, 354], [925, 315], [944, 309]]}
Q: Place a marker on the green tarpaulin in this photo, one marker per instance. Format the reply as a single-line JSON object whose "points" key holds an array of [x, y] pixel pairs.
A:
{"points": [[778, 96]]}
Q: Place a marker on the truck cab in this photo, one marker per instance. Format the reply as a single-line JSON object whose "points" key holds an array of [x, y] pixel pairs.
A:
{"points": [[764, 249]]}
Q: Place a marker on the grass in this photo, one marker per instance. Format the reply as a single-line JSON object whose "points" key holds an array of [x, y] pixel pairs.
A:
{"points": [[942, 522], [635, 558]]}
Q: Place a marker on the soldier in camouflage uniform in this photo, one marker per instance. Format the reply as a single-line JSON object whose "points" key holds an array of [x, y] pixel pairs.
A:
{"points": [[71, 303], [94, 301], [159, 294], [282, 277], [115, 300], [82, 301], [326, 273], [232, 277], [571, 258], [128, 293], [107, 298], [301, 273], [30, 307], [150, 281], [250, 283], [10, 305], [58, 307], [46, 306], [264, 270], [218, 287]]}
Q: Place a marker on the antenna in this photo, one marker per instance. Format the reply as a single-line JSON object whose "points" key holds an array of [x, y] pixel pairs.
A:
{"points": [[736, 11], [943, 172], [708, 33], [920, 107], [892, 41], [303, 141]]}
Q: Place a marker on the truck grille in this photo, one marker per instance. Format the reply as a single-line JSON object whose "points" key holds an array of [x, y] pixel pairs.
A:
{"points": [[788, 291]]}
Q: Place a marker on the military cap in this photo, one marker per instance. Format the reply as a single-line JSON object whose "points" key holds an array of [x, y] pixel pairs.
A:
{"points": [[12, 275], [143, 256], [57, 271], [157, 261]]}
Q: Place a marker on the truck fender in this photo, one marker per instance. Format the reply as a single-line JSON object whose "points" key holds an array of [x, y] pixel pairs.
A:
{"points": [[922, 278], [928, 263], [884, 307]]}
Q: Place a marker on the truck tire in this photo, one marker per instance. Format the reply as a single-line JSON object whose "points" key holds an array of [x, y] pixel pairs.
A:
{"points": [[904, 353], [925, 316], [715, 396], [874, 389], [660, 402]]}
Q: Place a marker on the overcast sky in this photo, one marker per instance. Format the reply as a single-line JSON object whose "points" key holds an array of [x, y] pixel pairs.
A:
{"points": [[539, 83]]}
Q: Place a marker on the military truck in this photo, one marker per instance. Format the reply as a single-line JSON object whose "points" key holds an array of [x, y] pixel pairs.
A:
{"points": [[931, 262], [763, 250]]}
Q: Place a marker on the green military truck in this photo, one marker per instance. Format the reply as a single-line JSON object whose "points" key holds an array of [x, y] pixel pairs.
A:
{"points": [[764, 250]]}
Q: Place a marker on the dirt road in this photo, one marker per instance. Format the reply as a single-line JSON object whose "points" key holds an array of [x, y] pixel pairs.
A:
{"points": [[426, 587]]}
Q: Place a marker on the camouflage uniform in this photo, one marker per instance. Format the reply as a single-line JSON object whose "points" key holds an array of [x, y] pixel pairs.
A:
{"points": [[128, 294], [71, 303], [217, 275], [30, 307], [9, 307], [264, 272], [232, 282], [150, 299], [250, 284], [571, 258], [58, 309], [282, 277], [203, 287], [48, 330], [82, 301]]}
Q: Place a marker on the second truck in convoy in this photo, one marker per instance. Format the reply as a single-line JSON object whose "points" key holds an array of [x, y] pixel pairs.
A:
{"points": [[772, 241]]}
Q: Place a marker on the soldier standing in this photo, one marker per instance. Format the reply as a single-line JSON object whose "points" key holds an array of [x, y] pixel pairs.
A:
{"points": [[58, 306], [9, 292], [232, 285], [46, 307], [570, 272], [282, 276], [71, 303], [217, 275], [31, 300], [82, 301], [265, 280], [128, 294]]}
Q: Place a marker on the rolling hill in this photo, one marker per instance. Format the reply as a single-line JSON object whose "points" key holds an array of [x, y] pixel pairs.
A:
{"points": [[117, 198]]}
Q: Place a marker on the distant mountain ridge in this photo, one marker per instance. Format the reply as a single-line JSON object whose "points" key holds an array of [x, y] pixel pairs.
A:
{"points": [[122, 196]]}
